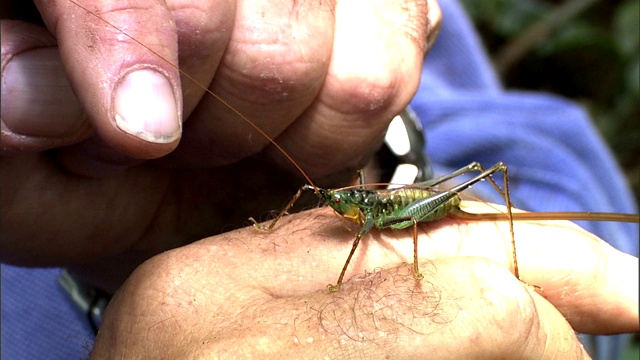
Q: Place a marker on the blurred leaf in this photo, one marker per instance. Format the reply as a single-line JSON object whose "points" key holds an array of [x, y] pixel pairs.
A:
{"points": [[626, 26], [632, 76], [519, 16], [505, 18], [579, 34]]}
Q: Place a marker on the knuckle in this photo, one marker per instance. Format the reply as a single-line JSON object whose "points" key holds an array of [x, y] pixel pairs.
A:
{"points": [[199, 26], [509, 312], [276, 73], [366, 92], [277, 60]]}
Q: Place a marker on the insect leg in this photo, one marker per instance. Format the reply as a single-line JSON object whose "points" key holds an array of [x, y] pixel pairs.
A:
{"points": [[435, 206], [486, 174], [416, 267], [361, 179], [284, 210], [474, 166], [365, 228]]}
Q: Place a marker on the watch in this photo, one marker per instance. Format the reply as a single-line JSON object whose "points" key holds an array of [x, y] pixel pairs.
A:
{"points": [[404, 155]]}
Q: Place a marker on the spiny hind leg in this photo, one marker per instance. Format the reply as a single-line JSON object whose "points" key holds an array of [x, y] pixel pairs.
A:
{"points": [[504, 192], [416, 266]]}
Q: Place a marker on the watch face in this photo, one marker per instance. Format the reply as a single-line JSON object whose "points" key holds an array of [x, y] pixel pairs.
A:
{"points": [[404, 151]]}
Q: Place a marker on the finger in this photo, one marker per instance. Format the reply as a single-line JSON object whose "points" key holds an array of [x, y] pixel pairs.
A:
{"points": [[39, 109], [94, 158], [583, 276], [493, 315], [272, 70], [580, 274], [202, 34], [374, 71], [72, 225], [132, 96]]}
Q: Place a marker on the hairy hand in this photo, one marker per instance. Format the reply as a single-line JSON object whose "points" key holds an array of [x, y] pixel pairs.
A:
{"points": [[253, 294]]}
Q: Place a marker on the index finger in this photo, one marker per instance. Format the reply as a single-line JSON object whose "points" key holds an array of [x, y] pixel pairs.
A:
{"points": [[132, 95]]}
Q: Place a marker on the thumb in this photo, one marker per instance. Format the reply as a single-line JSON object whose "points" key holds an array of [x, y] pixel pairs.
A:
{"points": [[131, 94]]}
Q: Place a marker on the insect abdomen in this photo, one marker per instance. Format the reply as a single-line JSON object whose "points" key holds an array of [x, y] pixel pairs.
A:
{"points": [[409, 205]]}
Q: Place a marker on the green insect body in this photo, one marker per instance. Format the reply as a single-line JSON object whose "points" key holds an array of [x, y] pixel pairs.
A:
{"points": [[393, 208]]}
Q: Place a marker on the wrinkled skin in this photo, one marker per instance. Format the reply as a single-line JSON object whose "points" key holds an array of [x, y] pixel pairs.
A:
{"points": [[85, 189], [300, 83]]}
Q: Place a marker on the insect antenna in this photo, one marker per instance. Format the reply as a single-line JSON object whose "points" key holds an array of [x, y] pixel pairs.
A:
{"points": [[221, 100], [551, 215]]}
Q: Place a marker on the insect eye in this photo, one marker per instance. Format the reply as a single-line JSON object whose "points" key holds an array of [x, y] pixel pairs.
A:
{"points": [[336, 200]]}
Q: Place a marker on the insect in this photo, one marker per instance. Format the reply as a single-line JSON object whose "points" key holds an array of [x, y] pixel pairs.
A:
{"points": [[398, 208], [402, 207], [406, 206]]}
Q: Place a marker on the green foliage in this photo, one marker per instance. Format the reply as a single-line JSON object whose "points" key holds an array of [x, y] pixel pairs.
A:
{"points": [[586, 50]]}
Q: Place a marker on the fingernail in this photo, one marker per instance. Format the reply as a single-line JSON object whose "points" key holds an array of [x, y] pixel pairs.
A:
{"points": [[145, 107]]}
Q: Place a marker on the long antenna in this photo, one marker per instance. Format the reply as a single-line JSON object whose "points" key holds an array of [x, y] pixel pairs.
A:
{"points": [[225, 103], [560, 215]]}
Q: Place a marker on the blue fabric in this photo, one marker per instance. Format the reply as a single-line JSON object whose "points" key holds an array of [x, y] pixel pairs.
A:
{"points": [[556, 159], [38, 319]]}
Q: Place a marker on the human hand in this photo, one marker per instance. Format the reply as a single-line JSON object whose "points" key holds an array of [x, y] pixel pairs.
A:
{"points": [[246, 293], [307, 74], [298, 81]]}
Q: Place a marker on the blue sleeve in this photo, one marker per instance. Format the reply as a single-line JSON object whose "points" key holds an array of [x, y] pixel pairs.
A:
{"points": [[39, 321]]}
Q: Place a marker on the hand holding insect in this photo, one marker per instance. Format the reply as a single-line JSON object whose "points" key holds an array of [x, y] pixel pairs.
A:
{"points": [[269, 284]]}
